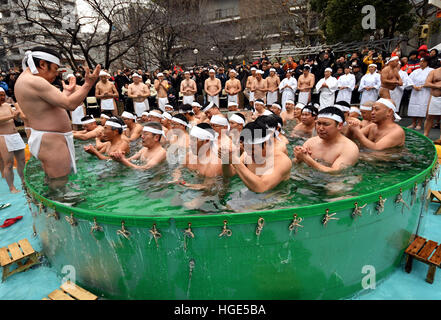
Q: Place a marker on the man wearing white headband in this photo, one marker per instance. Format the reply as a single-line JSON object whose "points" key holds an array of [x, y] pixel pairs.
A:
{"points": [[178, 133], [79, 112], [237, 122], [334, 151], [420, 96], [327, 87], [276, 109], [259, 86], [233, 87], [212, 87], [273, 82], [383, 133], [198, 114], [104, 117], [259, 106], [139, 92], [188, 89], [233, 106], [346, 84], [390, 78], [306, 84], [262, 167], [366, 110], [106, 91], [45, 109], [211, 109], [306, 127], [288, 114], [370, 85], [11, 143], [221, 126], [134, 130], [91, 129], [161, 86], [433, 82], [247, 92], [151, 154], [112, 134]]}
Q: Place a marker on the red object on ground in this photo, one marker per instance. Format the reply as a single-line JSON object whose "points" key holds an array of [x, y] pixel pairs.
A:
{"points": [[11, 221]]}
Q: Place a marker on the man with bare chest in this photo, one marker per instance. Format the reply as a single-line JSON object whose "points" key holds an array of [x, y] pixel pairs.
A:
{"points": [[51, 138], [233, 87], [273, 82], [259, 86], [212, 87], [390, 78], [11, 143], [188, 89], [433, 82], [248, 91], [106, 91], [161, 87], [305, 84], [139, 92]]}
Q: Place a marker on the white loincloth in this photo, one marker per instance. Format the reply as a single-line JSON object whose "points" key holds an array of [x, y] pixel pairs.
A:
{"points": [[107, 104], [13, 142], [77, 114], [435, 106]]}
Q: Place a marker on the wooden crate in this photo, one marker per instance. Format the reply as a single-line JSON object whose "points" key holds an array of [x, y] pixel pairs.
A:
{"points": [[20, 253], [435, 194], [428, 252], [70, 291]]}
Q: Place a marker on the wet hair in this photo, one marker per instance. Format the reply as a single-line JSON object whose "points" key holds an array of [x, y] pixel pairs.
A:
{"points": [[343, 103], [187, 108], [240, 115], [43, 49], [107, 113], [253, 128], [207, 127], [310, 107], [87, 118], [119, 121], [279, 119], [181, 117], [267, 121], [333, 110]]}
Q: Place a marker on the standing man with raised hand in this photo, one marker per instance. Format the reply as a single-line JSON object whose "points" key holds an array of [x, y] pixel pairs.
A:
{"points": [[139, 92], [161, 87], [188, 89], [107, 92], [213, 87], [51, 138]]}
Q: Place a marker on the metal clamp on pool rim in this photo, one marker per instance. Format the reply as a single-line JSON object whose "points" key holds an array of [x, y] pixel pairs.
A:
{"points": [[357, 210], [380, 205], [329, 217], [295, 223], [225, 231], [71, 220], [95, 227], [400, 199], [54, 214], [123, 232], [187, 233], [414, 193], [155, 233], [260, 224]]}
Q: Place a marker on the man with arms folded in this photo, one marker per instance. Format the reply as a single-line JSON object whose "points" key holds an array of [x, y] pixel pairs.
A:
{"points": [[330, 151]]}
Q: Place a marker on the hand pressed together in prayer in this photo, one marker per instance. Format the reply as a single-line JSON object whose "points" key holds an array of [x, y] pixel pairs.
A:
{"points": [[301, 153], [90, 149], [118, 156]]}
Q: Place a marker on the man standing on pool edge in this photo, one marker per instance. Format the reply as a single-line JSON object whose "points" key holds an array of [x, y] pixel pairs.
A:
{"points": [[51, 139]]}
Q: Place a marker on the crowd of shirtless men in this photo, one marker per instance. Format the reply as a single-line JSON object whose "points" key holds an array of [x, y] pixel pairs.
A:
{"points": [[204, 139]]}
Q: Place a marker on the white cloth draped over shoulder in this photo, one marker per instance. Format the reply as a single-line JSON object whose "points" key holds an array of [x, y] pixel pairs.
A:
{"points": [[346, 80], [289, 92], [370, 80], [397, 94], [419, 100], [327, 94]]}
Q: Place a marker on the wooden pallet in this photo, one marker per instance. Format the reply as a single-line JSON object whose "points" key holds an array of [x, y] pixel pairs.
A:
{"points": [[428, 252], [20, 253], [70, 291], [435, 194]]}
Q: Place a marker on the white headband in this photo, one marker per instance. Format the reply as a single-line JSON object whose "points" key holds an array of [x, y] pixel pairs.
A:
{"points": [[300, 106], [260, 71], [88, 121], [153, 113], [330, 116], [342, 108], [104, 116], [145, 114], [390, 105], [103, 73], [128, 115], [2, 90], [160, 74], [393, 59], [219, 120], [195, 104], [253, 69], [136, 75], [114, 124], [232, 103], [70, 76], [328, 69], [211, 71], [237, 119], [353, 109], [259, 102], [202, 134], [289, 101], [365, 108], [276, 105], [272, 69], [373, 65], [259, 140], [211, 105], [39, 55], [167, 115], [177, 120], [153, 130]]}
